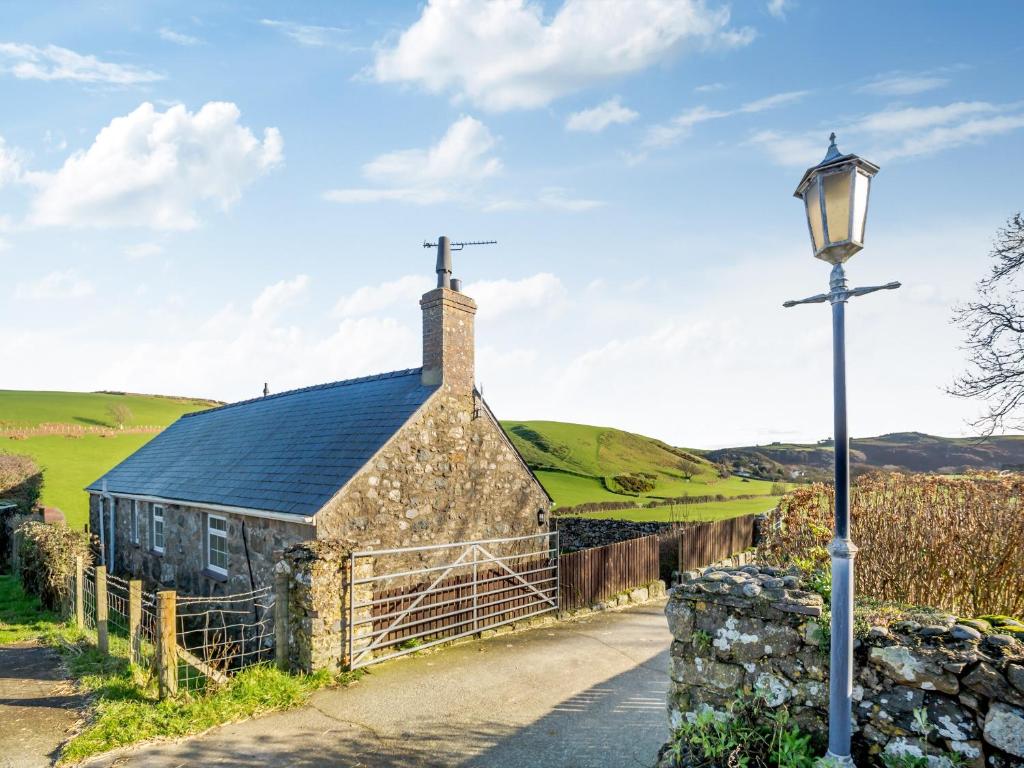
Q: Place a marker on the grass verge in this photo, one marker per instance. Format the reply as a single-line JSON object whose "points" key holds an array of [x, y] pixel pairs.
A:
{"points": [[710, 511], [125, 707]]}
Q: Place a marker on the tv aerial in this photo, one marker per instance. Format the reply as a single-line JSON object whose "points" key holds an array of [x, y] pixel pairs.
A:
{"points": [[445, 247]]}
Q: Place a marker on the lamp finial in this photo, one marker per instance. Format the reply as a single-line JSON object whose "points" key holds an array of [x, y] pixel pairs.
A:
{"points": [[833, 150]]}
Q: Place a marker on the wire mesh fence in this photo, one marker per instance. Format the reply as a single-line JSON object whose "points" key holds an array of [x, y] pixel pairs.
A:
{"points": [[89, 597], [219, 636], [215, 636]]}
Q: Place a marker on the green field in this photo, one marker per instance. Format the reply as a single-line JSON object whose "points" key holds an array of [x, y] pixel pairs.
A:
{"points": [[26, 408], [575, 463], [71, 463], [715, 510]]}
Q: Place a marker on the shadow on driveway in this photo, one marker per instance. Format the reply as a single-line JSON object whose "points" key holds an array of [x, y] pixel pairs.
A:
{"points": [[580, 694]]}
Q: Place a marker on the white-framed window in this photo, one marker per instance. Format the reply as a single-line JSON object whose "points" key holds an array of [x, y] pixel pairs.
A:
{"points": [[156, 528], [217, 544], [134, 522]]}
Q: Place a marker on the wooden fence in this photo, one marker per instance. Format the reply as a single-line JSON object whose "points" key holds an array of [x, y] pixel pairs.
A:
{"points": [[591, 576], [702, 544]]}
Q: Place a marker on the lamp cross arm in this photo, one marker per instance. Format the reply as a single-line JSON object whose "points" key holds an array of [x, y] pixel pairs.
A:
{"points": [[872, 288], [821, 298]]}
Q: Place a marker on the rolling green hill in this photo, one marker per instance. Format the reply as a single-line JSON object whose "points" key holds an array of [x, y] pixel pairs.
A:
{"points": [[20, 408], [71, 461], [900, 451], [578, 463]]}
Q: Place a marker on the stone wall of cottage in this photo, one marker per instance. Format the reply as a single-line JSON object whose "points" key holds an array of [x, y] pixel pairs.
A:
{"points": [[254, 547], [449, 475], [923, 689]]}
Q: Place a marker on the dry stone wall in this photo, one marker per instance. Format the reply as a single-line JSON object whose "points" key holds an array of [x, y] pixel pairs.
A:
{"points": [[927, 689], [254, 547], [449, 475]]}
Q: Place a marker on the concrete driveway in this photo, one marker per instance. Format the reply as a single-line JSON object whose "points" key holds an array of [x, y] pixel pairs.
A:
{"points": [[38, 706], [574, 694]]}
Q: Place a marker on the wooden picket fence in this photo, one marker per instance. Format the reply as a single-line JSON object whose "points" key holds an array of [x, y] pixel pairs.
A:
{"points": [[591, 576], [701, 544]]}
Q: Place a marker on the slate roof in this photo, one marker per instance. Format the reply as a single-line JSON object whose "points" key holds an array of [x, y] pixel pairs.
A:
{"points": [[289, 452]]}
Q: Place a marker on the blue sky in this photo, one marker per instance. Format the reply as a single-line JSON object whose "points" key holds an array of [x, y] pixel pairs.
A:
{"points": [[198, 198]]}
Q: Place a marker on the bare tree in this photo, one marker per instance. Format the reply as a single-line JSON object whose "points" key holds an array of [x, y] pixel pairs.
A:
{"points": [[689, 468], [120, 413], [994, 327]]}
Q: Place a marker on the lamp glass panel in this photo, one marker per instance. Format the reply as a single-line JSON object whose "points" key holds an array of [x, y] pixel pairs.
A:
{"points": [[861, 182], [812, 201], [837, 204]]}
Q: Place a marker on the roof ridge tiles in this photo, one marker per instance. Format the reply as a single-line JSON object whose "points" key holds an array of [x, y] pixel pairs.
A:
{"points": [[327, 385]]}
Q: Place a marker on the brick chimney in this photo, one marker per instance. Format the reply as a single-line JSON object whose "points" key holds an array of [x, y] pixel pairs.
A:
{"points": [[448, 339]]}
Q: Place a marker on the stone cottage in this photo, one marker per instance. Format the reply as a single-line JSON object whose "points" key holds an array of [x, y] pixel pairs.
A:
{"points": [[398, 459]]}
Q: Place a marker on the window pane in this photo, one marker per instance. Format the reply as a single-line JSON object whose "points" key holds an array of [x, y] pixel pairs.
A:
{"points": [[837, 205], [814, 215], [860, 205], [217, 543]]}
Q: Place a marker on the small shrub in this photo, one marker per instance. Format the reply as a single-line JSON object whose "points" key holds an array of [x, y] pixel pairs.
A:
{"points": [[778, 489], [748, 733], [637, 482], [48, 555]]}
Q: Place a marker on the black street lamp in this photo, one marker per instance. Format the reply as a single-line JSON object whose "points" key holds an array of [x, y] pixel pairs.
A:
{"points": [[835, 194]]}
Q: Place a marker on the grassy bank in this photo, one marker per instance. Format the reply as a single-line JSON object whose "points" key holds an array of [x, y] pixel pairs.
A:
{"points": [[125, 708], [71, 463], [714, 510]]}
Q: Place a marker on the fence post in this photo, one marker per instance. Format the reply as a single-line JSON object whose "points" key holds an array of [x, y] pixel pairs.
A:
{"points": [[135, 617], [167, 642], [79, 591], [102, 638], [281, 577], [16, 552]]}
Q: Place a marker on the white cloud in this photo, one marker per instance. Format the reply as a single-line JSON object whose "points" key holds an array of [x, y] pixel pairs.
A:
{"points": [[60, 284], [368, 300], [4, 245], [596, 119], [309, 35], [142, 251], [506, 55], [457, 162], [154, 169], [665, 134], [178, 38], [559, 199], [897, 84], [10, 164], [778, 8], [29, 62], [552, 198], [900, 132], [277, 297], [710, 87], [498, 297]]}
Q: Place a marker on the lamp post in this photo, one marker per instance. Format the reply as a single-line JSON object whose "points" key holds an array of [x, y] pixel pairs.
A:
{"points": [[835, 195]]}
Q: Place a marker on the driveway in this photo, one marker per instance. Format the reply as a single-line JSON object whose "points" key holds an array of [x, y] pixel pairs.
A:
{"points": [[577, 694], [38, 706]]}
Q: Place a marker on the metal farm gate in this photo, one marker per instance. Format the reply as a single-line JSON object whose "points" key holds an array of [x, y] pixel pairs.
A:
{"points": [[403, 600]]}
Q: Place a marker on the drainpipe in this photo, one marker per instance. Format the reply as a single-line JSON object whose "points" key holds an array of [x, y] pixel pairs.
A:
{"points": [[112, 518]]}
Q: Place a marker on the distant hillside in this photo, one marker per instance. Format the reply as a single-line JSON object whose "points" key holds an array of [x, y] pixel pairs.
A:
{"points": [[902, 451], [22, 408], [71, 460], [579, 463]]}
